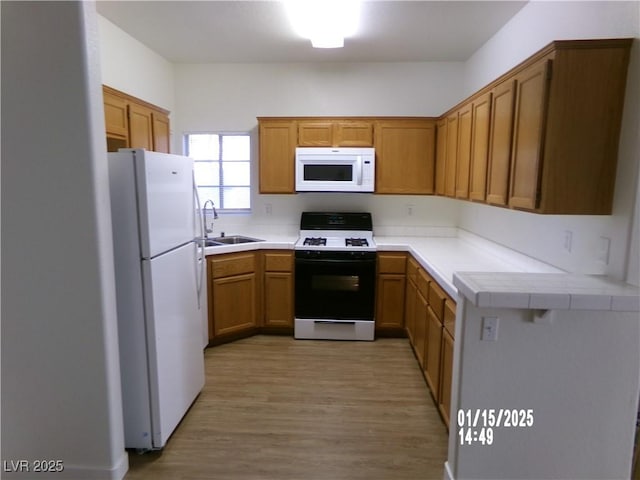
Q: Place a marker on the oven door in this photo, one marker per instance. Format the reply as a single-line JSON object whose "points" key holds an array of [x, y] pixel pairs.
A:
{"points": [[335, 285]]}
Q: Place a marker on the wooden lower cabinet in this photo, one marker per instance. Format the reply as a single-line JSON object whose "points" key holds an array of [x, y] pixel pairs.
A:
{"points": [[233, 294], [390, 293], [432, 356], [420, 328], [411, 296], [429, 324], [237, 311], [278, 289], [444, 402]]}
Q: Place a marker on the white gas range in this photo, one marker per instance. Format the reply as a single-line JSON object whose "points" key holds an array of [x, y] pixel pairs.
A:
{"points": [[335, 262]]}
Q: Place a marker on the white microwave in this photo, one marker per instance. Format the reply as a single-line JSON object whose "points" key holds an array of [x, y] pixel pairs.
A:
{"points": [[320, 169]]}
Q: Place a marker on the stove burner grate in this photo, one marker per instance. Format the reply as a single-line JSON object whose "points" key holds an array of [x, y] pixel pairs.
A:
{"points": [[356, 242], [315, 241]]}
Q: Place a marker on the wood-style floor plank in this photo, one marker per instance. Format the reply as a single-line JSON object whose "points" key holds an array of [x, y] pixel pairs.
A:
{"points": [[278, 408]]}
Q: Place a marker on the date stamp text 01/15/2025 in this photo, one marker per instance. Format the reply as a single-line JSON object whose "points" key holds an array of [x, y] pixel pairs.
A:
{"points": [[34, 466], [476, 426]]}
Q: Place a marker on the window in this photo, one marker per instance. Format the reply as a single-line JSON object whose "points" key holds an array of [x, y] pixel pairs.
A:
{"points": [[222, 168]]}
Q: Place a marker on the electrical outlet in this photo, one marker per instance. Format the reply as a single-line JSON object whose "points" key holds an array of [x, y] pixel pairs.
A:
{"points": [[604, 248], [409, 210], [489, 329], [568, 240], [267, 208]]}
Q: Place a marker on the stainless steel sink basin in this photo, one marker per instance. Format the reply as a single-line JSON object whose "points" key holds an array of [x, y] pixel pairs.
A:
{"points": [[229, 240]]}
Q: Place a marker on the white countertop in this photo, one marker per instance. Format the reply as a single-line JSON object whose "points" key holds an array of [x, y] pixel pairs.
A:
{"points": [[441, 257], [544, 291], [486, 273]]}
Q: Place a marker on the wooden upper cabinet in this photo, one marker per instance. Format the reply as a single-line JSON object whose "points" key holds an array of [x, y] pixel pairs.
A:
{"points": [[464, 151], [353, 133], [278, 139], [405, 156], [140, 127], [161, 132], [480, 118], [555, 128], [115, 116], [451, 155], [441, 155], [528, 129], [134, 123], [582, 128], [503, 97], [315, 133], [335, 133]]}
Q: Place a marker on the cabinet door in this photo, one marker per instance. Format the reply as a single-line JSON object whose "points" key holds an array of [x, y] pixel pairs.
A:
{"points": [[444, 402], [441, 156], [452, 156], [353, 134], [390, 298], [411, 293], [115, 116], [464, 151], [500, 142], [528, 129], [480, 120], [140, 127], [420, 328], [277, 156], [234, 303], [432, 356], [161, 132], [405, 152], [278, 299], [315, 133]]}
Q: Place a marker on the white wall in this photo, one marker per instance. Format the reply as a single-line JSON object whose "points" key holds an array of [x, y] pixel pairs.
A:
{"points": [[60, 368], [578, 373], [229, 97], [130, 66], [537, 24]]}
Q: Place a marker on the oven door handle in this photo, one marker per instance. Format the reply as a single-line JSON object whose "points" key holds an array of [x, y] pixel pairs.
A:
{"points": [[343, 322], [315, 261]]}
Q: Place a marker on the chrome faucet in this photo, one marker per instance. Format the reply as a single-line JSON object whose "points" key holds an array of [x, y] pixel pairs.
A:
{"points": [[215, 215]]}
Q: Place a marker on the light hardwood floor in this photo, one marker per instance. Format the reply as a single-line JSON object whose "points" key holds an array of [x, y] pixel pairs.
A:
{"points": [[278, 408]]}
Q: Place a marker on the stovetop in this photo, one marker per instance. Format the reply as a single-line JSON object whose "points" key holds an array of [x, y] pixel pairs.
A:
{"points": [[336, 231]]}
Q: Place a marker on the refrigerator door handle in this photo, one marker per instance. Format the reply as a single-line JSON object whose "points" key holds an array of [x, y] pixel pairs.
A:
{"points": [[199, 243]]}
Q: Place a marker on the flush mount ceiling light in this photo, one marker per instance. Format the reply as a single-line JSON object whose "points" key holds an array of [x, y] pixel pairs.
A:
{"points": [[325, 22]]}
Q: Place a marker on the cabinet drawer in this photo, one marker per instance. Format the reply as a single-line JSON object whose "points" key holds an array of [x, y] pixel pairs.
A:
{"points": [[412, 270], [389, 263], [422, 283], [450, 317], [234, 264], [436, 300], [278, 262]]}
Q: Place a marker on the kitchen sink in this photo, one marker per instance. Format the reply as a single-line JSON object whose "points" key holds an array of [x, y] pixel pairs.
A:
{"points": [[229, 240]]}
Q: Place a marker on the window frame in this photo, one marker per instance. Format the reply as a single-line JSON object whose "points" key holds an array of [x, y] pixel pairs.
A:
{"points": [[221, 134]]}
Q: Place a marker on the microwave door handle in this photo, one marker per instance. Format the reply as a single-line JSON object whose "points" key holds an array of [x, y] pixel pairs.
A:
{"points": [[359, 169]]}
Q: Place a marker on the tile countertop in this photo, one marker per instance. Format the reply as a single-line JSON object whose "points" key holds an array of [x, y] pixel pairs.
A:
{"points": [[544, 291]]}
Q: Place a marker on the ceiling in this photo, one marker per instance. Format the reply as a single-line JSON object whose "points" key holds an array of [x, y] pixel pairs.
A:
{"points": [[243, 31]]}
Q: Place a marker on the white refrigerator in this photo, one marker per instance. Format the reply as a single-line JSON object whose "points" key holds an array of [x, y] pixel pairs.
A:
{"points": [[161, 299]]}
